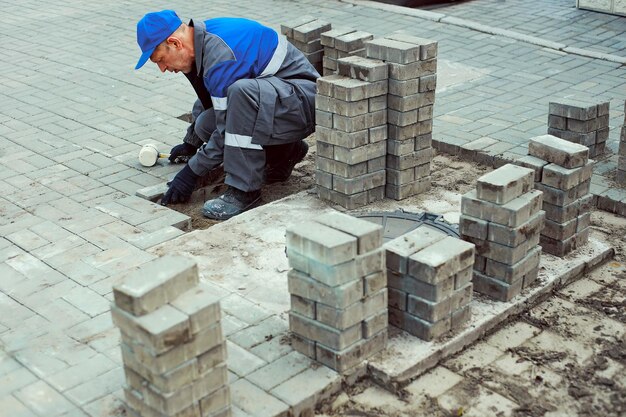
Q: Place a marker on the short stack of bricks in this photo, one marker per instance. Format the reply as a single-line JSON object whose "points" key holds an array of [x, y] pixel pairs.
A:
{"points": [[429, 282], [173, 349], [563, 173], [578, 122], [342, 43], [503, 218], [351, 117], [305, 34], [412, 80], [338, 290], [621, 162]]}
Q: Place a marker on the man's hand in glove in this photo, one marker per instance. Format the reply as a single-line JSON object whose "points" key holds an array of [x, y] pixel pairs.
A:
{"points": [[182, 153], [181, 187]]}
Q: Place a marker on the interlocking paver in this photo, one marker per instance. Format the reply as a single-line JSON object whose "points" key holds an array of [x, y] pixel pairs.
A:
{"points": [[44, 400], [14, 407], [95, 388]]}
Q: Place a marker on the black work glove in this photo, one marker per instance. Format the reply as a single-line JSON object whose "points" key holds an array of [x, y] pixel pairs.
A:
{"points": [[181, 187], [182, 153]]}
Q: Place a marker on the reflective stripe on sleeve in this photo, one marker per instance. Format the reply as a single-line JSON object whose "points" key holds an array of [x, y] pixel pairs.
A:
{"points": [[220, 103], [277, 59]]}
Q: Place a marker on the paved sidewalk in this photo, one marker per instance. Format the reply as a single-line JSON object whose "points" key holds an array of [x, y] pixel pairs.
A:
{"points": [[554, 20], [73, 115]]}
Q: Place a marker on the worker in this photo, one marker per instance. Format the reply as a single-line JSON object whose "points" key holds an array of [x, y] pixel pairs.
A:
{"points": [[256, 104]]}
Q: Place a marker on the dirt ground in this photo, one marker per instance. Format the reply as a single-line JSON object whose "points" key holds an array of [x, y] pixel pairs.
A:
{"points": [[559, 383], [448, 173]]}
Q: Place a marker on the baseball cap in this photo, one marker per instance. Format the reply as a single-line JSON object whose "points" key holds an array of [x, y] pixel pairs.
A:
{"points": [[153, 29]]}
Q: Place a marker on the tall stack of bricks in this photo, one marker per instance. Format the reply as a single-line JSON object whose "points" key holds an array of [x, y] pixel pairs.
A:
{"points": [[412, 80], [621, 162], [173, 349], [429, 282], [563, 172], [342, 43], [503, 218], [351, 117], [582, 123], [338, 290], [305, 34]]}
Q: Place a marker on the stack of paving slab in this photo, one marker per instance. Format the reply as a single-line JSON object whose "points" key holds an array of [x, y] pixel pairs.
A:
{"points": [[351, 117], [412, 80], [621, 163], [563, 173], [503, 218], [582, 123], [342, 43], [338, 290], [429, 282], [173, 349], [305, 34]]}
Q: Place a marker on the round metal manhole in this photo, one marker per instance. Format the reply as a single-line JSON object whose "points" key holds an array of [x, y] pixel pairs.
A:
{"points": [[397, 223]]}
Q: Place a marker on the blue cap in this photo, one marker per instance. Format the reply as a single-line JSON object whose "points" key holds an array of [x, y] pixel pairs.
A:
{"points": [[153, 29]]}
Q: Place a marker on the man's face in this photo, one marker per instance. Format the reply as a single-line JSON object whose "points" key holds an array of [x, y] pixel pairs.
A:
{"points": [[170, 56]]}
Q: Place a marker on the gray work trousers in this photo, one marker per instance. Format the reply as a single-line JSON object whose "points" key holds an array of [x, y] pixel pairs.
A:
{"points": [[269, 129]]}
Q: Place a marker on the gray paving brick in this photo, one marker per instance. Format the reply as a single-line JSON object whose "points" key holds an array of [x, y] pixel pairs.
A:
{"points": [[256, 334], [16, 379], [279, 371], [43, 399], [255, 401], [558, 151], [171, 277], [242, 362], [243, 309], [81, 373], [13, 407], [504, 184], [98, 387], [272, 349], [304, 390]]}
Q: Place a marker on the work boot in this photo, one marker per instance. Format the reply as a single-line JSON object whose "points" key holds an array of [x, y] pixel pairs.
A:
{"points": [[282, 171], [231, 203]]}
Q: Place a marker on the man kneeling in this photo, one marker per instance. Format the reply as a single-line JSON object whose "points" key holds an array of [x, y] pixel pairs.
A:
{"points": [[256, 104]]}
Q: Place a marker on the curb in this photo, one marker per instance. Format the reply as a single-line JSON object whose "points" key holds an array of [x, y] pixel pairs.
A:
{"points": [[469, 24], [606, 199]]}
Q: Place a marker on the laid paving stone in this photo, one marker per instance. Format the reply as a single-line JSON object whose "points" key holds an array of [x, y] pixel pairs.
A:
{"points": [[243, 309], [87, 301], [14, 407], [16, 379], [43, 399], [581, 289], [434, 383], [7, 364], [97, 387], [81, 373], [306, 389], [256, 334], [279, 371], [483, 402], [242, 362], [255, 401], [512, 336]]}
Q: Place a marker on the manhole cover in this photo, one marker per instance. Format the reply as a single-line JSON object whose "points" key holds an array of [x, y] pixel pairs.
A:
{"points": [[397, 223]]}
